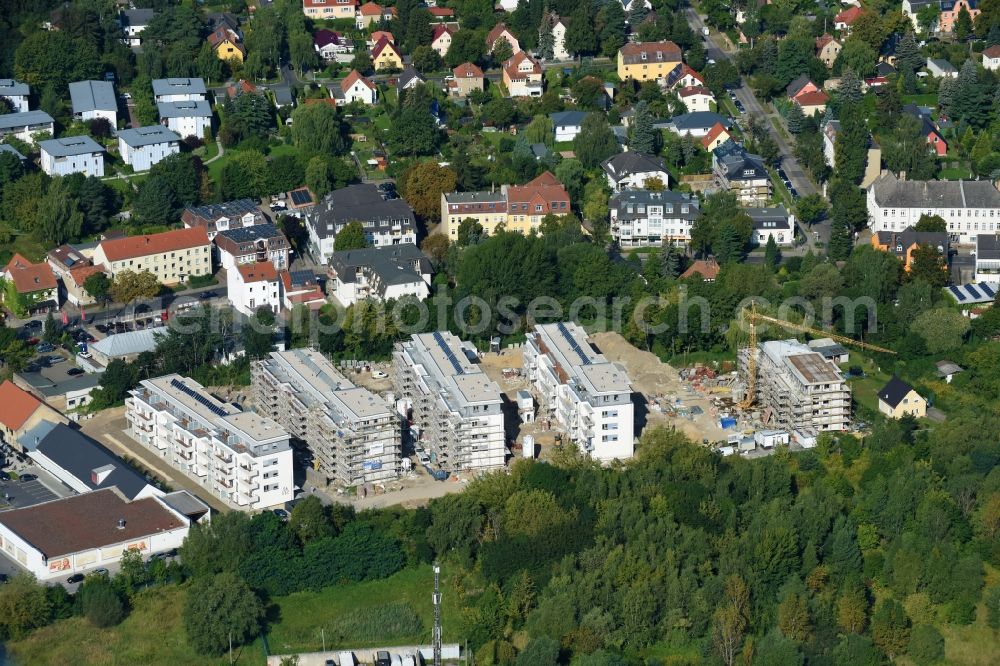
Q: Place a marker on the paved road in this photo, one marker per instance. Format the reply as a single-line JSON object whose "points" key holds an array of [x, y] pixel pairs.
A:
{"points": [[796, 175]]}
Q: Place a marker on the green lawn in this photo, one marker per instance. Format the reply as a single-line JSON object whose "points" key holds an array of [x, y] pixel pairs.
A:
{"points": [[955, 173], [215, 168], [926, 99]]}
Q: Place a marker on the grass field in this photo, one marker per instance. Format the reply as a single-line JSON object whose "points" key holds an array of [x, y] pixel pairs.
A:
{"points": [[926, 99]]}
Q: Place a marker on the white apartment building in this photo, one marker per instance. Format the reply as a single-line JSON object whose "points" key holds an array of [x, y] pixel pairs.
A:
{"points": [[380, 273], [352, 433], [94, 99], [187, 118], [16, 93], [72, 154], [988, 258], [456, 409], [969, 207], [253, 286], [178, 90], [242, 458], [143, 147], [589, 396], [25, 125], [641, 218]]}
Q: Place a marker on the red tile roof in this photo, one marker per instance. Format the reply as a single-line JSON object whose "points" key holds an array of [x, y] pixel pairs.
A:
{"points": [[814, 98], [382, 45], [992, 52], [354, 77], [708, 269], [493, 35], [467, 70], [545, 191], [511, 67], [261, 271], [131, 247], [18, 405], [242, 86], [81, 273], [370, 9], [441, 12], [29, 277], [317, 4], [379, 35], [224, 34], [824, 40], [84, 522], [848, 16], [694, 90], [717, 130], [440, 30]]}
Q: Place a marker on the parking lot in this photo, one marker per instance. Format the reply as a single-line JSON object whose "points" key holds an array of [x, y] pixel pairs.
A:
{"points": [[19, 494]]}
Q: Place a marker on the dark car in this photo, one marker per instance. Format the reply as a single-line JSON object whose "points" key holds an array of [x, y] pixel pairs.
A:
{"points": [[208, 294], [33, 324], [45, 347], [281, 513], [73, 372], [28, 477], [101, 328], [75, 578]]}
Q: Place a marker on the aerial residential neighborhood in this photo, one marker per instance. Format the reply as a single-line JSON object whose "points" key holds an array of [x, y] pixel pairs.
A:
{"points": [[517, 333]]}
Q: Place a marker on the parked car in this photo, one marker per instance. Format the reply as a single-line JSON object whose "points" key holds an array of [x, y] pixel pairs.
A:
{"points": [[45, 347], [73, 372], [75, 578], [24, 478], [424, 458], [84, 354], [101, 571], [280, 513], [378, 374], [53, 359]]}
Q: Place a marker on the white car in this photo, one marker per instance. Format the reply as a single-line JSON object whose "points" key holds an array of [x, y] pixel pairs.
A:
{"points": [[424, 459], [378, 374]]}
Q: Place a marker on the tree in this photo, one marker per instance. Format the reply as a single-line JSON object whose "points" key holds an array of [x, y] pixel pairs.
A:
{"points": [[546, 40], [98, 287], [59, 217], [772, 255], [929, 265], [541, 651], [891, 628], [793, 617], [926, 644], [942, 329], [811, 208], [588, 93], [426, 59], [155, 203], [934, 223], [423, 184], [852, 607], [730, 620], [258, 333], [502, 51], [645, 138], [855, 650], [220, 611], [581, 39], [858, 56], [414, 132], [595, 142], [309, 520], [128, 286], [317, 176], [51, 332], [963, 24], [539, 130], [23, 606], [181, 173], [317, 130], [470, 232], [100, 603], [350, 237]]}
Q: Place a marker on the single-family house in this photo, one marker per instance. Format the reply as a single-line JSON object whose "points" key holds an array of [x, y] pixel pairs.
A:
{"points": [[441, 39], [178, 90], [30, 287], [776, 223], [501, 31], [367, 14], [950, 9], [697, 98], [133, 22], [187, 118], [928, 129], [647, 61], [301, 288], [633, 171], [682, 76], [946, 370], [72, 154], [843, 21], [567, 124], [356, 88], [704, 269], [330, 44], [812, 103], [253, 286], [902, 244], [408, 79], [21, 412], [522, 76], [464, 79], [329, 9], [227, 44], [991, 58], [143, 147], [241, 87], [7, 148], [697, 124], [941, 68], [441, 14], [16, 93], [827, 49], [716, 136], [94, 99], [25, 125], [800, 84], [898, 399], [385, 56]]}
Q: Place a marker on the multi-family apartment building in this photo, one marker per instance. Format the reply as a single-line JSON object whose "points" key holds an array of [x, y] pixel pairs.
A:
{"points": [[641, 218], [968, 207], [520, 208], [352, 433], [187, 118], [455, 408], [172, 256], [178, 90], [379, 273], [588, 395], [223, 216], [16, 93], [251, 287], [489, 209], [25, 125], [646, 61], [742, 173], [329, 9], [386, 221], [242, 458], [633, 170], [797, 388], [72, 154], [143, 147], [247, 245], [94, 99]]}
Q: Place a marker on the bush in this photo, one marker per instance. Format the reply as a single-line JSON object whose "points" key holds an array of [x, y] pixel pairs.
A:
{"points": [[100, 603], [926, 645]]}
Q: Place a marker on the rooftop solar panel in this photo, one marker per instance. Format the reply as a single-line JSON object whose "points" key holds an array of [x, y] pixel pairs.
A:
{"points": [[987, 289], [448, 353], [300, 197], [972, 290], [957, 294], [211, 406], [584, 359]]}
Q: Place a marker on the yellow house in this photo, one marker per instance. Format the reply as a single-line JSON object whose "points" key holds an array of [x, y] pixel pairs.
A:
{"points": [[227, 44], [489, 209], [385, 55], [647, 61], [898, 399]]}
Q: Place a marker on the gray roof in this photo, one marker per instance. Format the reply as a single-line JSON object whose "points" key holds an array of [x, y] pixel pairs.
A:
{"points": [[68, 146], [988, 246], [14, 120], [974, 292], [407, 75], [93, 96], [539, 150], [362, 202], [42, 384], [393, 264], [80, 456], [251, 233], [623, 164], [6, 148], [185, 504], [186, 109], [769, 218], [568, 118], [698, 120], [125, 344], [941, 64], [10, 87], [282, 95], [737, 164], [230, 209], [178, 87], [138, 17], [147, 136], [890, 191], [797, 84], [676, 200], [475, 197]]}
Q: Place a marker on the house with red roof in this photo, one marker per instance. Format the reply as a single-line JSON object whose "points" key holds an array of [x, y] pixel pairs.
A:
{"points": [[441, 39], [253, 286], [355, 88], [464, 79], [371, 12], [696, 98], [522, 76], [28, 287], [706, 269], [501, 31], [300, 288], [843, 21], [528, 204], [241, 87], [991, 58], [827, 49], [21, 412], [172, 256], [812, 102], [716, 136], [441, 14], [682, 76]]}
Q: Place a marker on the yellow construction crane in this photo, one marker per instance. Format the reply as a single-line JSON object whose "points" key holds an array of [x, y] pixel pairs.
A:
{"points": [[752, 317]]}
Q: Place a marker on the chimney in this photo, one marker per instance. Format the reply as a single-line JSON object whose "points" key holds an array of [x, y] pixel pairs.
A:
{"points": [[121, 523]]}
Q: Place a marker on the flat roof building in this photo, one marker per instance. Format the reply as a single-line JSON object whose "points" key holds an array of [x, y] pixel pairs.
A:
{"points": [[242, 458], [590, 396], [455, 407], [352, 433]]}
